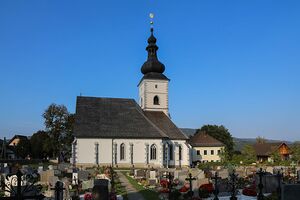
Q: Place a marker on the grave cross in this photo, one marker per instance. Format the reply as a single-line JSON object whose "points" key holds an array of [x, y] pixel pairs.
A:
{"points": [[19, 194], [233, 179], [190, 179], [59, 188], [170, 178], [216, 190], [260, 173]]}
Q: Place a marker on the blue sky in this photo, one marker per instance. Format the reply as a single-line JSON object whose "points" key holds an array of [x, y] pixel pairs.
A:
{"points": [[234, 63]]}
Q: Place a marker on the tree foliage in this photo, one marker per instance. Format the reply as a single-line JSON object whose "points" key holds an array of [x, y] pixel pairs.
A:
{"points": [[260, 140], [295, 149], [22, 149], [248, 154], [222, 134], [59, 126], [41, 146]]}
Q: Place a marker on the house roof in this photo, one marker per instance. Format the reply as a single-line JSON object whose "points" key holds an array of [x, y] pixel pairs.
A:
{"points": [[201, 139], [164, 123], [265, 149], [21, 137], [120, 118]]}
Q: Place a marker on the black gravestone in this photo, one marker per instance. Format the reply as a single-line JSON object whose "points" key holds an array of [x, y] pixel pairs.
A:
{"points": [[290, 192], [100, 189]]}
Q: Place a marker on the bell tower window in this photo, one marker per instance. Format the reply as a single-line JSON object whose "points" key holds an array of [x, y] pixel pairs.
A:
{"points": [[156, 100]]}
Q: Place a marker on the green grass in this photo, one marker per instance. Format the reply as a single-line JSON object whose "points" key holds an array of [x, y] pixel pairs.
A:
{"points": [[148, 194]]}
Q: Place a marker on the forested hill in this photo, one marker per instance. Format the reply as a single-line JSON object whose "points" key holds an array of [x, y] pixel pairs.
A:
{"points": [[239, 142]]}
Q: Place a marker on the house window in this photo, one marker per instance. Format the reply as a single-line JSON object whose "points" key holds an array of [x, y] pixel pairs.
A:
{"points": [[122, 151], [156, 100], [155, 86], [171, 151], [219, 151], [180, 152], [212, 152], [198, 152], [205, 152], [153, 152]]}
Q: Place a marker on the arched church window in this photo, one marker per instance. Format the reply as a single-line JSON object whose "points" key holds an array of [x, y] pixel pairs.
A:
{"points": [[153, 152], [122, 151], [156, 100], [171, 151]]}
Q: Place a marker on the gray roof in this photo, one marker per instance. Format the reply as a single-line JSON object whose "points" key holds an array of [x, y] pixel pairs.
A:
{"points": [[163, 122], [120, 118]]}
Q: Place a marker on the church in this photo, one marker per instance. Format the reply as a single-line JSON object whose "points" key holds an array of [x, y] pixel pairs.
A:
{"points": [[123, 133]]}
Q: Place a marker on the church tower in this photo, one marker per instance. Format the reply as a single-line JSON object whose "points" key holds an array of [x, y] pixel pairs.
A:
{"points": [[153, 87]]}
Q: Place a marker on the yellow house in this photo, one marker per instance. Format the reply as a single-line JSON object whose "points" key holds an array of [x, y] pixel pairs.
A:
{"points": [[205, 148]]}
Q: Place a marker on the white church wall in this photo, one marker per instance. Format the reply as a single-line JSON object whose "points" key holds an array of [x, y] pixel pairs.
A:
{"points": [[185, 154], [86, 153], [139, 152]]}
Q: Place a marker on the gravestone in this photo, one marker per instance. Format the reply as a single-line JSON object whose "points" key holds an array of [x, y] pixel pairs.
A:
{"points": [[57, 172], [74, 178], [223, 173], [152, 175], [52, 180], [40, 169], [270, 183], [83, 175], [50, 167], [290, 191], [270, 170], [100, 189], [152, 181], [139, 173], [45, 175], [62, 166]]}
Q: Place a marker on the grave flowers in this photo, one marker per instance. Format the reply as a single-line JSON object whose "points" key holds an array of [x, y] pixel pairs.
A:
{"points": [[205, 190], [250, 190], [87, 196], [185, 188]]}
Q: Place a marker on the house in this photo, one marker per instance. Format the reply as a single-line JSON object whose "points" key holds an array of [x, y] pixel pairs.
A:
{"points": [[6, 151], [205, 148], [265, 151], [16, 139], [123, 133]]}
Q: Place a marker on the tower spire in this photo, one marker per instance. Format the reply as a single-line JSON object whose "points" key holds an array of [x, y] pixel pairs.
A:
{"points": [[152, 65]]}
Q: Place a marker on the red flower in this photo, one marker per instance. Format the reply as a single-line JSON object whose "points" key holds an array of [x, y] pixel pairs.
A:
{"points": [[208, 187], [249, 192], [164, 183], [184, 189], [87, 196]]}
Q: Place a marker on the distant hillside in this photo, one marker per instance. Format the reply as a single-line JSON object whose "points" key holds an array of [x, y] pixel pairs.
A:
{"points": [[239, 142]]}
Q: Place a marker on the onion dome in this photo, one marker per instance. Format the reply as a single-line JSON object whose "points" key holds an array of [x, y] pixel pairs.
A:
{"points": [[152, 65]]}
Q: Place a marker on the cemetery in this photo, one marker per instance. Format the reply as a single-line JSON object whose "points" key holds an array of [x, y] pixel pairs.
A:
{"points": [[64, 181]]}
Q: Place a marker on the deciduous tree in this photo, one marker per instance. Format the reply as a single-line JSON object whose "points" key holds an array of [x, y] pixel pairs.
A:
{"points": [[59, 126]]}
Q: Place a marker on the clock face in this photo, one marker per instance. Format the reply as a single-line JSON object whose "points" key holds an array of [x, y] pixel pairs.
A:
{"points": [[151, 15]]}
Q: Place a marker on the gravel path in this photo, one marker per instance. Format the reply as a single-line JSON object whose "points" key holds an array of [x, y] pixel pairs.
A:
{"points": [[132, 193]]}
